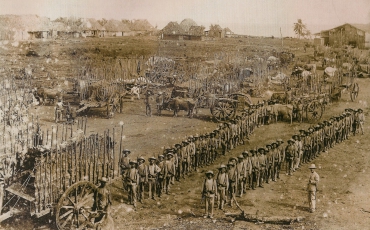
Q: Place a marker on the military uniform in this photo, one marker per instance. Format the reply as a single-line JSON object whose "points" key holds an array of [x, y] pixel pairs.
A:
{"points": [[233, 181], [153, 172], [169, 171], [290, 152], [133, 180], [143, 173], [222, 185], [209, 193], [262, 166], [312, 188]]}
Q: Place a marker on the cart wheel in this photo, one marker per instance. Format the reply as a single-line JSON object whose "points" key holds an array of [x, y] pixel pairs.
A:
{"points": [[314, 111], [223, 110], [355, 89], [72, 211]]}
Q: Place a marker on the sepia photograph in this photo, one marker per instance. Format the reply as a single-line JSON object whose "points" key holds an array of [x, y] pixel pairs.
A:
{"points": [[184, 115]]}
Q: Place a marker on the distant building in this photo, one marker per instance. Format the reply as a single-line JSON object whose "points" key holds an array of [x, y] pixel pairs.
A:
{"points": [[115, 28], [357, 35], [90, 27]]}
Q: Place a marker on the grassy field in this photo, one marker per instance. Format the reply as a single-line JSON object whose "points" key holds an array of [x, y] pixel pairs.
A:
{"points": [[344, 182]]}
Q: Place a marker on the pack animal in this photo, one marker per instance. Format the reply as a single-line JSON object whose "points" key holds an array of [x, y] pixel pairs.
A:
{"points": [[283, 111], [176, 104], [43, 95]]}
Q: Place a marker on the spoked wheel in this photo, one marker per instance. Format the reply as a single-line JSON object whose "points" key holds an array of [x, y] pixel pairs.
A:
{"points": [[354, 90], [74, 206], [223, 110], [314, 111]]}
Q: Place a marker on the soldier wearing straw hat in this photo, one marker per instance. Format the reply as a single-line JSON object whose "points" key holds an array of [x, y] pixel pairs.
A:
{"points": [[281, 150], [209, 192], [124, 165], [255, 169], [241, 169], [169, 171], [133, 180], [102, 198], [262, 166], [233, 180], [153, 172], [290, 152], [143, 173], [222, 185], [161, 174], [313, 182]]}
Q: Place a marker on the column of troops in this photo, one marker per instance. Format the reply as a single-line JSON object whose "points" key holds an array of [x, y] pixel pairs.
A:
{"points": [[248, 171]]}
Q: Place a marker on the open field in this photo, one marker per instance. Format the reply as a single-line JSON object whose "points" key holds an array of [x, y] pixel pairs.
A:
{"points": [[344, 186]]}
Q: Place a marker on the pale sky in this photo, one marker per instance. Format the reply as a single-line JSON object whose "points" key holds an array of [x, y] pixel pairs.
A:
{"points": [[252, 17]]}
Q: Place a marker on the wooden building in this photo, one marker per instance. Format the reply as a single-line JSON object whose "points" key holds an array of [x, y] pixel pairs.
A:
{"points": [[357, 35]]}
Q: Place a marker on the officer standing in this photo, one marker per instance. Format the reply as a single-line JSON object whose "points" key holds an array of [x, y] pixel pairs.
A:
{"points": [[143, 173], [312, 187]]}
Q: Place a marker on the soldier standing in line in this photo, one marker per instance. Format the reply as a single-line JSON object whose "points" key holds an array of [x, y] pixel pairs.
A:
{"points": [[143, 173], [247, 180], [269, 163], [299, 153], [312, 188], [262, 166], [233, 180], [361, 120], [179, 154], [222, 185], [276, 157], [209, 193], [212, 147], [133, 179], [185, 158], [125, 166], [255, 169], [281, 150], [161, 175], [290, 152], [191, 151], [169, 171], [153, 171], [241, 170]]}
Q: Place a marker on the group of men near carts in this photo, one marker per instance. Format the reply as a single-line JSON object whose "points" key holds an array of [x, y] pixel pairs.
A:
{"points": [[249, 170]]}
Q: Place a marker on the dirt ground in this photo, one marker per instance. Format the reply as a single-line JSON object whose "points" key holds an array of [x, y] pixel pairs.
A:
{"points": [[343, 190]]}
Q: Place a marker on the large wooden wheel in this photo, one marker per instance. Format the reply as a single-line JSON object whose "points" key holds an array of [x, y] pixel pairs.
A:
{"points": [[223, 110], [354, 90], [314, 111], [72, 211]]}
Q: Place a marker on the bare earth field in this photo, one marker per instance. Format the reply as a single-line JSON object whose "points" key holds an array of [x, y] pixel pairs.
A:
{"points": [[343, 197]]}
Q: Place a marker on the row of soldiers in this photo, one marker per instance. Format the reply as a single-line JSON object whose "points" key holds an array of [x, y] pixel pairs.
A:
{"points": [[254, 168], [189, 155]]}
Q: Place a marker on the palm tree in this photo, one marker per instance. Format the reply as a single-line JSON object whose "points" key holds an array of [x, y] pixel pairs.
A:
{"points": [[299, 28]]}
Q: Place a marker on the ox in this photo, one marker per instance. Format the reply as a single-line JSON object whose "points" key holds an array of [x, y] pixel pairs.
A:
{"points": [[176, 104], [283, 111], [43, 94]]}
